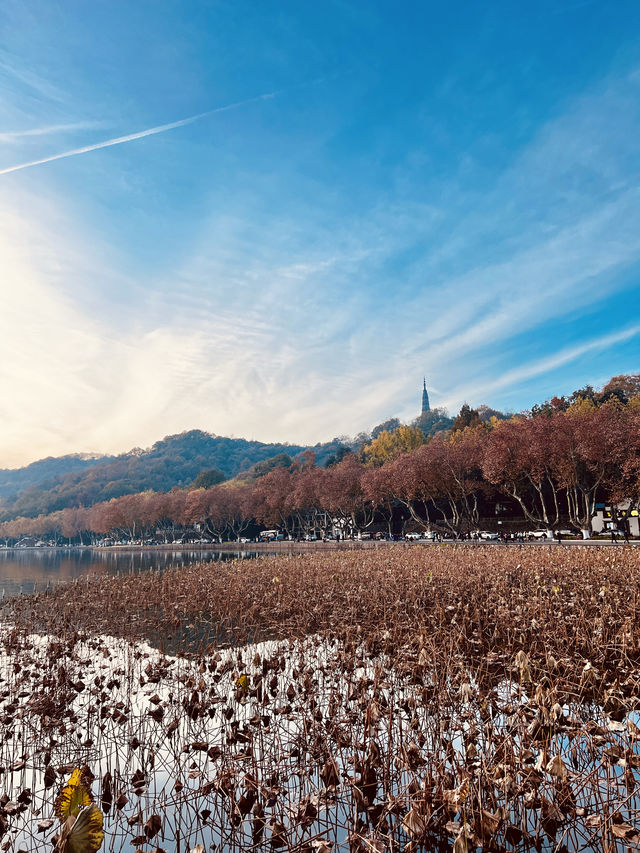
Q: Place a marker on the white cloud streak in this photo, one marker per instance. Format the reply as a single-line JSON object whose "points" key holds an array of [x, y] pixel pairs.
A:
{"points": [[130, 137], [543, 366], [48, 130]]}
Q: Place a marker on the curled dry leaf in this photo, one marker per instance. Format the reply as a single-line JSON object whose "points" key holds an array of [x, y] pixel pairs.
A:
{"points": [[556, 768], [414, 824], [152, 826], [625, 831]]}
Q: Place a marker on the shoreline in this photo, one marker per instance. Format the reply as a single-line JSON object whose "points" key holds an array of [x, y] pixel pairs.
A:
{"points": [[288, 547]]}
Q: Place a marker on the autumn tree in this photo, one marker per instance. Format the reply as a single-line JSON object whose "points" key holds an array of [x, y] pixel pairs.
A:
{"points": [[389, 425], [165, 511], [458, 478], [236, 507], [439, 482], [380, 490], [466, 417], [624, 387], [517, 459], [306, 501], [413, 479], [200, 510], [271, 500], [389, 445], [343, 496], [433, 422], [74, 521], [589, 451]]}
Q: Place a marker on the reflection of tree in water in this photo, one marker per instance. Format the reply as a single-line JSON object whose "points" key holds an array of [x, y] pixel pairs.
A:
{"points": [[21, 572]]}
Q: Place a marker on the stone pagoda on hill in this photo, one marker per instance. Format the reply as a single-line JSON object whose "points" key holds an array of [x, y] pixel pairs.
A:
{"points": [[425, 398]]}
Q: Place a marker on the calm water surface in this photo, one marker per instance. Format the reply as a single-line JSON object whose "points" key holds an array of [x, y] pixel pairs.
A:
{"points": [[22, 571]]}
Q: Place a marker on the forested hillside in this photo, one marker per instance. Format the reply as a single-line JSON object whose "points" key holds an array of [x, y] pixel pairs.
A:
{"points": [[176, 460], [550, 469], [198, 459], [14, 480]]}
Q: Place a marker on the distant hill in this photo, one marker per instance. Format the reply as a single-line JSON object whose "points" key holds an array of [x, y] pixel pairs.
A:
{"points": [[176, 460], [14, 480]]}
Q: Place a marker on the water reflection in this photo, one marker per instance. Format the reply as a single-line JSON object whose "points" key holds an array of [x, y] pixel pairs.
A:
{"points": [[23, 571]]}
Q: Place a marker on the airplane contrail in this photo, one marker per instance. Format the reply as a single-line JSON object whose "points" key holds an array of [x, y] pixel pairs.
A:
{"points": [[150, 131]]}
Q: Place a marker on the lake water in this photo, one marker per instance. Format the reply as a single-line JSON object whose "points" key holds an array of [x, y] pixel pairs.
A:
{"points": [[22, 571]]}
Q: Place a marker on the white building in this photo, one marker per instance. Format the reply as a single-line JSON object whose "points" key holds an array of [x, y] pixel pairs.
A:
{"points": [[617, 517]]}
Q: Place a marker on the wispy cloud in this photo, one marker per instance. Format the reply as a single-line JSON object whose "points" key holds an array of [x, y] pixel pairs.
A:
{"points": [[49, 130], [539, 367], [31, 85], [282, 316], [362, 350], [130, 137]]}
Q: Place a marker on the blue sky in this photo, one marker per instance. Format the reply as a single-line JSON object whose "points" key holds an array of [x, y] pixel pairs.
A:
{"points": [[350, 195]]}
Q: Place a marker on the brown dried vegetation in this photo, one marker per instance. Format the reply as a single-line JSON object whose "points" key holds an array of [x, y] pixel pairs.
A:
{"points": [[479, 698]]}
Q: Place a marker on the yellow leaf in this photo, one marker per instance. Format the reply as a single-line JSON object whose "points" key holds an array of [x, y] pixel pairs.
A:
{"points": [[522, 662], [80, 776], [462, 791], [70, 800], [82, 833]]}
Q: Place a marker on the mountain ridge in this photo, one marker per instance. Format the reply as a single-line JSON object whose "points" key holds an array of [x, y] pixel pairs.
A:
{"points": [[174, 461], [81, 479]]}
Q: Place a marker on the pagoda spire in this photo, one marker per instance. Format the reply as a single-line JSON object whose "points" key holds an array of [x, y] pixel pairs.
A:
{"points": [[425, 397]]}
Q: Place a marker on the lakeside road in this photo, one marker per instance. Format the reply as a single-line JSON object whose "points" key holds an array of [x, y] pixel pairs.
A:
{"points": [[287, 547]]}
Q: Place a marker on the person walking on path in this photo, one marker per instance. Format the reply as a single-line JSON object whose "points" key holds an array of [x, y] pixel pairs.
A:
{"points": [[559, 537]]}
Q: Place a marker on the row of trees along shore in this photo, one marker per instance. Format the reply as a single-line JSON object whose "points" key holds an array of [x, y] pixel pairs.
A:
{"points": [[545, 468]]}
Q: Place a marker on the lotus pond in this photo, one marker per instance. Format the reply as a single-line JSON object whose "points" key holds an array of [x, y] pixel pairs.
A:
{"points": [[454, 697]]}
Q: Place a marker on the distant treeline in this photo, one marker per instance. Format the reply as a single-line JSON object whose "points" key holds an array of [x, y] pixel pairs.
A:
{"points": [[549, 466], [176, 461], [54, 484]]}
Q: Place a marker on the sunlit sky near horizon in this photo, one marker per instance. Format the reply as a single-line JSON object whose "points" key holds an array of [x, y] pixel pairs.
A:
{"points": [[271, 219]]}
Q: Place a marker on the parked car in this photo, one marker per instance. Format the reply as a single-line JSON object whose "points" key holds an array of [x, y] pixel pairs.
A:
{"points": [[487, 534], [540, 533], [412, 536], [271, 536]]}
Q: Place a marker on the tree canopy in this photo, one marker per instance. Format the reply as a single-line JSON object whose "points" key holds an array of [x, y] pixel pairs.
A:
{"points": [[388, 444], [208, 478]]}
